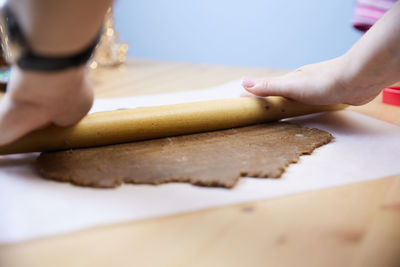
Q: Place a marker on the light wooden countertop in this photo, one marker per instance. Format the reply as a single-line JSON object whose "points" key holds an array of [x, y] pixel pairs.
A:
{"points": [[351, 225]]}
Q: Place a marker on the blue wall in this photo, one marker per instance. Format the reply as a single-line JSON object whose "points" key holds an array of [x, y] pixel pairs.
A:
{"points": [[277, 34]]}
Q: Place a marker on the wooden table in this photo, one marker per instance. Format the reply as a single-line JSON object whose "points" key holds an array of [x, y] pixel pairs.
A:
{"points": [[351, 225]]}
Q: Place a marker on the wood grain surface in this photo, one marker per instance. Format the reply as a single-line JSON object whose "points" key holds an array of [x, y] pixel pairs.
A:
{"points": [[352, 225]]}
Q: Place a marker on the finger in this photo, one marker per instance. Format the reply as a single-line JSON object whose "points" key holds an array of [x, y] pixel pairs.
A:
{"points": [[285, 86], [246, 94], [17, 119]]}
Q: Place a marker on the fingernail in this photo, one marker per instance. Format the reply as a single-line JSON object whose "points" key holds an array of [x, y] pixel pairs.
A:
{"points": [[248, 82]]}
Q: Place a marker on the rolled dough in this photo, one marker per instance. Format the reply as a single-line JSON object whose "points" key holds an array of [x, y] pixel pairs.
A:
{"points": [[216, 158]]}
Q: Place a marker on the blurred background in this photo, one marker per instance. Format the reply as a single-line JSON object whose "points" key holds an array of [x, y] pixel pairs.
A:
{"points": [[264, 33]]}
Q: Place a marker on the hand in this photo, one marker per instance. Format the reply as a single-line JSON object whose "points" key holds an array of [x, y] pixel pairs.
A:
{"points": [[328, 82], [37, 99]]}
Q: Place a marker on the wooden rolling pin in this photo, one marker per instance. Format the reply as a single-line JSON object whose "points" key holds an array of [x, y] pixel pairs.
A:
{"points": [[113, 127]]}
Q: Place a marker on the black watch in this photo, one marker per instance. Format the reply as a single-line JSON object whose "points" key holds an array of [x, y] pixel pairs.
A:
{"points": [[16, 49]]}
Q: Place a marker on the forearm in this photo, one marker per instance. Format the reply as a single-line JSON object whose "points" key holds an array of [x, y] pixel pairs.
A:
{"points": [[374, 61], [61, 26]]}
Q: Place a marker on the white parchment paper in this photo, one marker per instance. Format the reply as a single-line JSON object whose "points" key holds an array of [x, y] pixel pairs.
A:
{"points": [[32, 207]]}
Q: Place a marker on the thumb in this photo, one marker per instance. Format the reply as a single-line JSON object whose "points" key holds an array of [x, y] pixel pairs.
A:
{"points": [[267, 87], [17, 119]]}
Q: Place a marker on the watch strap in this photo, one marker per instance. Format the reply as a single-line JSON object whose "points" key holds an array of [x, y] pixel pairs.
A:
{"points": [[33, 61]]}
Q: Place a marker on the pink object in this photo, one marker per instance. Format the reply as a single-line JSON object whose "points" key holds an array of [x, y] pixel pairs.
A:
{"points": [[391, 95], [367, 12]]}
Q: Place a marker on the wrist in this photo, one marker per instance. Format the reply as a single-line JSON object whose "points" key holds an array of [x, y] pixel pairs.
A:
{"points": [[360, 83], [25, 86]]}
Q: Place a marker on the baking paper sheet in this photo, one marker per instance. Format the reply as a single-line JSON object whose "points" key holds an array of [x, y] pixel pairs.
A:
{"points": [[32, 207]]}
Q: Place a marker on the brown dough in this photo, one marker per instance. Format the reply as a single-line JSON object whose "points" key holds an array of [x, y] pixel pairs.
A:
{"points": [[209, 159]]}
